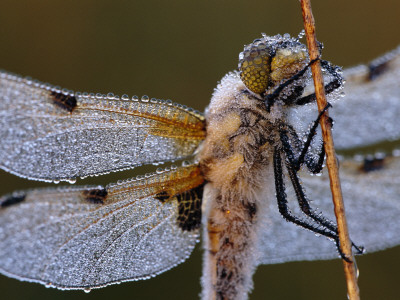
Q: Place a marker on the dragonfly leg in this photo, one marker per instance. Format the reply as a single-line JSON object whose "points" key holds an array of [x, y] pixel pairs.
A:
{"points": [[288, 215], [333, 85], [315, 166], [269, 99]]}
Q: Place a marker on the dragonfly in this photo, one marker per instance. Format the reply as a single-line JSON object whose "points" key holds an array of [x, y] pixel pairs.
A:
{"points": [[246, 157]]}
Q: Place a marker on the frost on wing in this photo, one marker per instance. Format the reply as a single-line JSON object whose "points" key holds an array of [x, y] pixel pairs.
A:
{"points": [[52, 134], [88, 237], [368, 112], [372, 203]]}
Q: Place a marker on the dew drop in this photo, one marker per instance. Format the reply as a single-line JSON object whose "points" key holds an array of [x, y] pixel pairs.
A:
{"points": [[145, 98], [110, 96], [56, 181], [135, 98], [87, 290], [72, 180], [356, 267], [125, 97], [396, 152], [358, 157], [159, 170], [185, 163], [28, 80], [301, 34]]}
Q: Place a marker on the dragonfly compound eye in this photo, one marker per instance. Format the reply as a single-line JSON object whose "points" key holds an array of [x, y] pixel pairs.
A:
{"points": [[255, 66], [287, 62]]}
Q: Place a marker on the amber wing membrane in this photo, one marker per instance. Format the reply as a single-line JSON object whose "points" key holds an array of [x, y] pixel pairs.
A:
{"points": [[51, 134], [88, 237]]}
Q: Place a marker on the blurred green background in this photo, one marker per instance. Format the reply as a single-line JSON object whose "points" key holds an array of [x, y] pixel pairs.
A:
{"points": [[179, 50]]}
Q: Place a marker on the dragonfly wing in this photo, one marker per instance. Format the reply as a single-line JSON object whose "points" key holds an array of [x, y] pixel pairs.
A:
{"points": [[88, 237], [51, 134], [372, 204], [368, 112]]}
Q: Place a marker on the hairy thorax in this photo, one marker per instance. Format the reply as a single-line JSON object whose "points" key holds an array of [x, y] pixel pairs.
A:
{"points": [[234, 158], [239, 142]]}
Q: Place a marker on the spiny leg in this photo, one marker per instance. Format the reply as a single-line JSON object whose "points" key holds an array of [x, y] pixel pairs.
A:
{"points": [[270, 98], [336, 83], [307, 144], [305, 207], [288, 215], [314, 167], [293, 166], [304, 202]]}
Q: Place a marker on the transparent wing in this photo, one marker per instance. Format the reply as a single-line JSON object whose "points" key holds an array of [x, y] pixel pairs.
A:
{"points": [[51, 134], [372, 203], [87, 237], [368, 112]]}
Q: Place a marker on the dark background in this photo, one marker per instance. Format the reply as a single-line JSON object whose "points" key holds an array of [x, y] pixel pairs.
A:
{"points": [[179, 50]]}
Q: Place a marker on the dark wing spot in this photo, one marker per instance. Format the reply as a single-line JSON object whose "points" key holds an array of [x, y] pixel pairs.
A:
{"points": [[372, 164], [189, 217], [377, 68], [95, 196], [162, 196], [64, 101], [12, 199]]}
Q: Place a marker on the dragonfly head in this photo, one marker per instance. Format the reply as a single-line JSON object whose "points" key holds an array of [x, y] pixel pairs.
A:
{"points": [[269, 61]]}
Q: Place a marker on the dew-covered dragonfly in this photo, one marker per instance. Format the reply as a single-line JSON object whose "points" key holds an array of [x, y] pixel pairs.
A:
{"points": [[248, 153]]}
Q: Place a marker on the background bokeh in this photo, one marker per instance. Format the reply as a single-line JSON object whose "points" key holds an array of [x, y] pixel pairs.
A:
{"points": [[179, 50]]}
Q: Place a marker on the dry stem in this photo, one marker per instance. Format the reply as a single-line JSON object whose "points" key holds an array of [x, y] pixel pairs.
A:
{"points": [[345, 242]]}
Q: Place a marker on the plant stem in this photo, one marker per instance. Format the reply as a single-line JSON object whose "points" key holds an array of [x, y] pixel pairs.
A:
{"points": [[331, 162]]}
